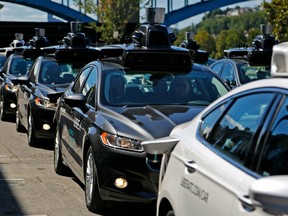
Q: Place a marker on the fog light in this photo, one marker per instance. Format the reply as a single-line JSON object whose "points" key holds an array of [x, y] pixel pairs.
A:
{"points": [[12, 105], [46, 127], [120, 183]]}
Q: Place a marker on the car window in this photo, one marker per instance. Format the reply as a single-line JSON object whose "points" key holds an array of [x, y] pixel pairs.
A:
{"points": [[143, 87], [275, 157], [234, 132], [20, 66], [89, 87], [249, 73], [209, 121], [228, 73], [217, 67], [77, 88]]}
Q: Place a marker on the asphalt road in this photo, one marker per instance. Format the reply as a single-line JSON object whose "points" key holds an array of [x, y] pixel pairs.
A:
{"points": [[29, 186]]}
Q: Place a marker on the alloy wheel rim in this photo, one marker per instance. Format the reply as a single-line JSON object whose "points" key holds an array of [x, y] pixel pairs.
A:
{"points": [[1, 108], [29, 127], [89, 178], [17, 118], [56, 149]]}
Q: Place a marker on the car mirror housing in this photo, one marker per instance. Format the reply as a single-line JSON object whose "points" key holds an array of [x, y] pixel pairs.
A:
{"points": [[75, 100], [160, 146], [21, 80], [271, 194]]}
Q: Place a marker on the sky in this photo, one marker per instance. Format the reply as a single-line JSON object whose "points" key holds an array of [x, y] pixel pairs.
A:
{"points": [[15, 12]]}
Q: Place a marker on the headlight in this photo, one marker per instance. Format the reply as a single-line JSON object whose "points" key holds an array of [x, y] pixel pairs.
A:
{"points": [[11, 88], [45, 103], [121, 142]]}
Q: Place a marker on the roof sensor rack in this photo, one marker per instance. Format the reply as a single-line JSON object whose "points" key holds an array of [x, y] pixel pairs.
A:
{"points": [[76, 38], [260, 53], [197, 55], [279, 63], [153, 34], [39, 40], [150, 47], [18, 41]]}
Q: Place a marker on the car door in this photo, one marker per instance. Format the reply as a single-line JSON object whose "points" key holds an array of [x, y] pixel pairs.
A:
{"points": [[25, 93], [74, 120], [217, 173]]}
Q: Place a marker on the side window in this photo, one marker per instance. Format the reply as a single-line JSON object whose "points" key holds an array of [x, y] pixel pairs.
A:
{"points": [[208, 122], [81, 79], [228, 73], [90, 87], [234, 132], [275, 157], [217, 67]]}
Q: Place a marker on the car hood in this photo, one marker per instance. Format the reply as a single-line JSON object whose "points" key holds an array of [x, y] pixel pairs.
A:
{"points": [[150, 122], [51, 89]]}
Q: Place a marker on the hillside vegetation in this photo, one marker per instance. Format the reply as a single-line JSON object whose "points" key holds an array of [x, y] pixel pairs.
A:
{"points": [[218, 31]]}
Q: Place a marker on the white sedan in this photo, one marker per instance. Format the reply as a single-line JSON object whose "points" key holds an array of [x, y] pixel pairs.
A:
{"points": [[232, 159]]}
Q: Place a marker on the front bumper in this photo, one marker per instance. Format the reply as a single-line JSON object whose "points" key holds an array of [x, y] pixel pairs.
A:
{"points": [[9, 102], [141, 177], [43, 122]]}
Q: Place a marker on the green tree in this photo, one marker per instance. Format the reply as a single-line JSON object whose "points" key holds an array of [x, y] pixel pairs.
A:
{"points": [[114, 17], [225, 40], [277, 15], [206, 41]]}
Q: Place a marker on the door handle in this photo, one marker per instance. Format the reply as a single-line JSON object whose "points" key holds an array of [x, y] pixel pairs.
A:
{"points": [[246, 203], [191, 166]]}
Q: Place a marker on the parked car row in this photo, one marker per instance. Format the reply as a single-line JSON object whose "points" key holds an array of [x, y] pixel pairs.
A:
{"points": [[138, 122], [98, 103]]}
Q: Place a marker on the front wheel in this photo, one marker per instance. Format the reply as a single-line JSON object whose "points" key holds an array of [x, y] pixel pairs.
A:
{"points": [[93, 200], [3, 115], [59, 167], [19, 126], [32, 140]]}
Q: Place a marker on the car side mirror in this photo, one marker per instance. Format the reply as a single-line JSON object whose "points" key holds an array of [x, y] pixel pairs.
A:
{"points": [[75, 100], [160, 146], [21, 80], [271, 194]]}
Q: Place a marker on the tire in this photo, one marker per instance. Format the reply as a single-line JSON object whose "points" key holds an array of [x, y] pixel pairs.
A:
{"points": [[3, 115], [32, 140], [93, 200], [59, 167], [19, 126]]}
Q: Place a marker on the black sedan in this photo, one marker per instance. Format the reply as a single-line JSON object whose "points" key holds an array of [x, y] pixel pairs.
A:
{"points": [[114, 104], [237, 71], [39, 89], [16, 65]]}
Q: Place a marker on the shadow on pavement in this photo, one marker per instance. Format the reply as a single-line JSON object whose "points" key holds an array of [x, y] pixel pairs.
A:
{"points": [[7, 199], [125, 209]]}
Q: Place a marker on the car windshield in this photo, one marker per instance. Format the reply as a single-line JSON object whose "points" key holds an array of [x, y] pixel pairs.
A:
{"points": [[130, 88], [20, 66], [54, 73], [248, 73]]}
